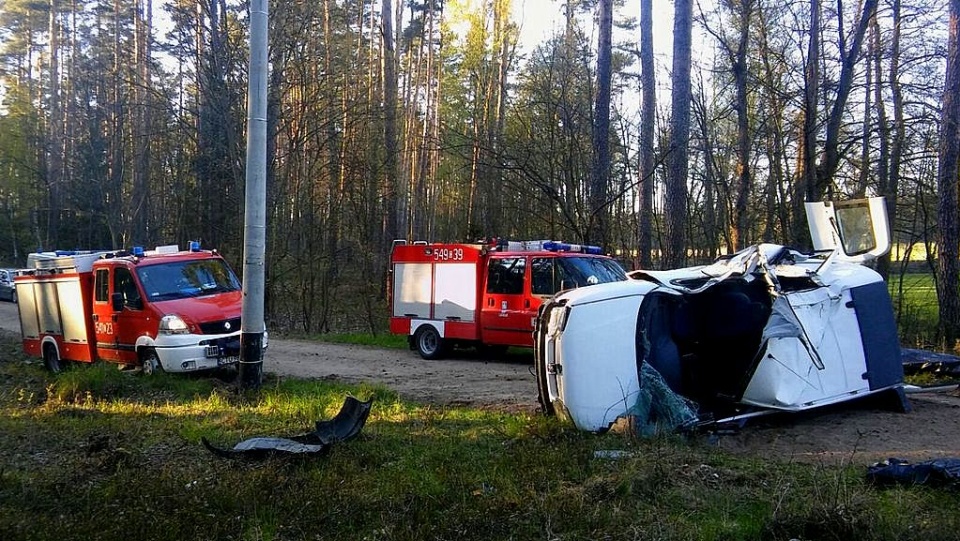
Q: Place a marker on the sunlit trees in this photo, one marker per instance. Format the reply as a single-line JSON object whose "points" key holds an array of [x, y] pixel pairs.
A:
{"points": [[122, 121]]}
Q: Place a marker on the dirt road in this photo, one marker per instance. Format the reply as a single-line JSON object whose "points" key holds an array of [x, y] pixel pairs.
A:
{"points": [[858, 433], [466, 380]]}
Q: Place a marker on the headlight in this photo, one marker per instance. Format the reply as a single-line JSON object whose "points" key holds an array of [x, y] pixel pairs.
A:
{"points": [[558, 319], [173, 325]]}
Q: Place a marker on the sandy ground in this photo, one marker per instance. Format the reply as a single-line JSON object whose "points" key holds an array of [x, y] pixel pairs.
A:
{"points": [[856, 433]]}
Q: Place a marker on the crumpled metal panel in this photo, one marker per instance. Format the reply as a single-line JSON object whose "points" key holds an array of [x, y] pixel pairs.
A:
{"points": [[348, 422]]}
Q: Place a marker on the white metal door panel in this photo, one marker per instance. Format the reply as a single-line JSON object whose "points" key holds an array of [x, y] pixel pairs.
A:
{"points": [[27, 303], [71, 312], [455, 295], [411, 289], [48, 308]]}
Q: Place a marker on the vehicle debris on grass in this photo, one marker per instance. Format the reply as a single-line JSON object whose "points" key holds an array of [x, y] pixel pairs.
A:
{"points": [[348, 422]]}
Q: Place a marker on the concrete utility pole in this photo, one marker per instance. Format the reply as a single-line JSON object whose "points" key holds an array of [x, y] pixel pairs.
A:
{"points": [[254, 216]]}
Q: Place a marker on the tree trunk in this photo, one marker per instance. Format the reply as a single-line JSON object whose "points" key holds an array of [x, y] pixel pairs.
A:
{"points": [[892, 187], [142, 123], [648, 111], [830, 160], [744, 142], [600, 171], [389, 127], [676, 186], [808, 164], [948, 293], [54, 165]]}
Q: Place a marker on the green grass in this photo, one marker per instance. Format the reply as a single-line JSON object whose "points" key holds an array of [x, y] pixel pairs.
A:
{"points": [[915, 305], [97, 453]]}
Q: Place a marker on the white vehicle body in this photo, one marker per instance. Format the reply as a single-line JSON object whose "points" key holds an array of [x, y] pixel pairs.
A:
{"points": [[766, 329]]}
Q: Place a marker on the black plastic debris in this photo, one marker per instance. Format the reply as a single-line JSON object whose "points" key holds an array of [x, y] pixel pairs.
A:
{"points": [[921, 361], [344, 426], [941, 472]]}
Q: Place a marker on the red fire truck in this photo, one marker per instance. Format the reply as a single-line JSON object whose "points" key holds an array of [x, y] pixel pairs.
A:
{"points": [[162, 309], [485, 294]]}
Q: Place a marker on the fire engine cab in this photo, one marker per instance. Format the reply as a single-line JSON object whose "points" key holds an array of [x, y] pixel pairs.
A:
{"points": [[162, 309], [485, 294]]}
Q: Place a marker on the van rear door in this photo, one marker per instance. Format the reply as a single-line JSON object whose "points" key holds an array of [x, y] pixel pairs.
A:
{"points": [[859, 229]]}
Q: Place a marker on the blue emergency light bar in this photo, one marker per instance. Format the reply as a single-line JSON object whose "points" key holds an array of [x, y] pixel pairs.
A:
{"points": [[137, 251], [194, 245], [554, 246]]}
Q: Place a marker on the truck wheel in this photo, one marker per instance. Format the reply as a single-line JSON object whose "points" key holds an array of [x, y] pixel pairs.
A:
{"points": [[51, 360], [150, 364], [429, 344]]}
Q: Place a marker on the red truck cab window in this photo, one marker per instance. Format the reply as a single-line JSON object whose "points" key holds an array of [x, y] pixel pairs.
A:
{"points": [[505, 275], [124, 284], [102, 287]]}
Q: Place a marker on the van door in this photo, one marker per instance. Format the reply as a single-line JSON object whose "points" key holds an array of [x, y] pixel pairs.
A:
{"points": [[117, 331], [503, 317], [104, 318], [858, 229]]}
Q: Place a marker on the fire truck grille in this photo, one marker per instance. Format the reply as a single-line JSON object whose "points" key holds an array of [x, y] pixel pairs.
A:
{"points": [[221, 327]]}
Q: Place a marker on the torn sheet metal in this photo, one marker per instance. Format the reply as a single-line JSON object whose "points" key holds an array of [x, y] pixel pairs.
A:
{"points": [[768, 328], [344, 426], [941, 472]]}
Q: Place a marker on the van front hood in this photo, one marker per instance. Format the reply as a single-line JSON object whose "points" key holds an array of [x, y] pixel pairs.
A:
{"points": [[204, 309]]}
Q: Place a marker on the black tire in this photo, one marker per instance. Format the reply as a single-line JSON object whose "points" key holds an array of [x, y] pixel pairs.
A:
{"points": [[150, 363], [429, 343], [51, 360]]}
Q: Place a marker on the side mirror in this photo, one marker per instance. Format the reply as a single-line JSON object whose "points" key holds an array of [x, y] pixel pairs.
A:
{"points": [[116, 301]]}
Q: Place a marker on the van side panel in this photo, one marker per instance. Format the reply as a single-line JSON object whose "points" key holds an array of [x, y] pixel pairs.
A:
{"points": [[878, 330]]}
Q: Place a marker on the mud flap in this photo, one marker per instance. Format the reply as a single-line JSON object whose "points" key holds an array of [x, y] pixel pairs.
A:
{"points": [[344, 426]]}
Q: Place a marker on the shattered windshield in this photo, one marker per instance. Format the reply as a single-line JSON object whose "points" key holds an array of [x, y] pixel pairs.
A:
{"points": [[553, 274], [182, 279]]}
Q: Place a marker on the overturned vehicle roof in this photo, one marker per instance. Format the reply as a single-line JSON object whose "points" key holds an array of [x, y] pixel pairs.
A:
{"points": [[766, 329]]}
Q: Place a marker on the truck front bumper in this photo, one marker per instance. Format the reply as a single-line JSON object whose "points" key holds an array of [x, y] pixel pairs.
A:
{"points": [[192, 352]]}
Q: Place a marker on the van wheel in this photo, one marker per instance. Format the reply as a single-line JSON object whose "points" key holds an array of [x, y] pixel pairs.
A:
{"points": [[51, 360], [429, 344], [150, 364]]}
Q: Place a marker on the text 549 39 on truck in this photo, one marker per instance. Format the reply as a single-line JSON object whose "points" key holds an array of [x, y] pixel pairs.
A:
{"points": [[484, 294], [162, 309]]}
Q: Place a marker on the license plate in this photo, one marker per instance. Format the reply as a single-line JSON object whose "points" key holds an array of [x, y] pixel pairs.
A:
{"points": [[212, 351], [222, 361]]}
